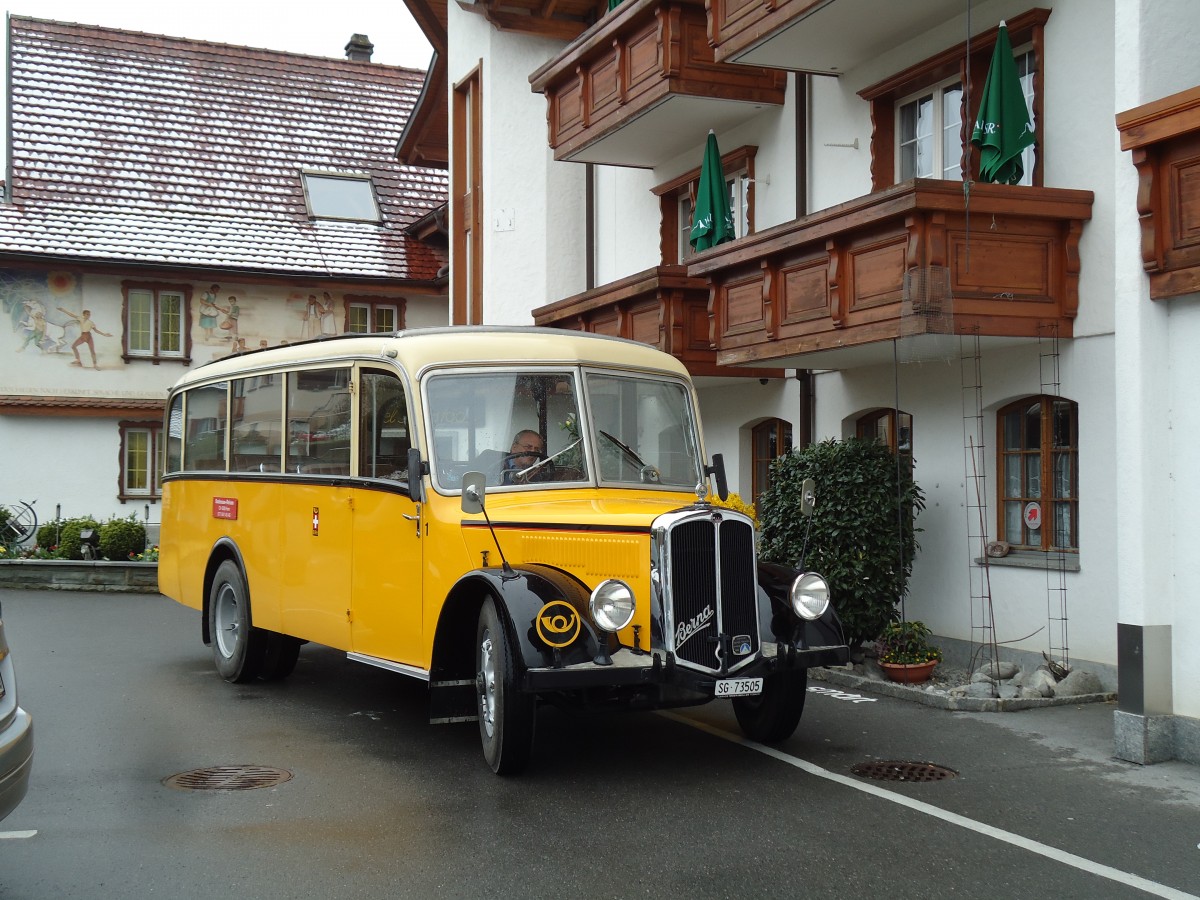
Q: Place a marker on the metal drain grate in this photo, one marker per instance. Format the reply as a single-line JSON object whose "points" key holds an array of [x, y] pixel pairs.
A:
{"points": [[228, 778], [890, 770]]}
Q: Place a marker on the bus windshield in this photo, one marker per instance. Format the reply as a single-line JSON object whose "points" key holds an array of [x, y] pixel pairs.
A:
{"points": [[524, 428]]}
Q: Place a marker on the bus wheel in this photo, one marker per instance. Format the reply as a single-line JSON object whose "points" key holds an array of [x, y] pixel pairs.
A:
{"points": [[774, 714], [506, 714], [279, 657], [237, 645]]}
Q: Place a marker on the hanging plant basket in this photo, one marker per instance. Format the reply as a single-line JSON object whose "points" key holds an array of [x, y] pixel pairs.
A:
{"points": [[908, 673]]}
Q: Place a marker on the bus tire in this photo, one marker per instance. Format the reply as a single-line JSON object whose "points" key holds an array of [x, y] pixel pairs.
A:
{"points": [[506, 714], [237, 645], [279, 656], [773, 715]]}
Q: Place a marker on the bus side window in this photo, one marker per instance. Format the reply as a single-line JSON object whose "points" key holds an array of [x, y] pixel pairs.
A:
{"points": [[318, 415], [383, 431]]}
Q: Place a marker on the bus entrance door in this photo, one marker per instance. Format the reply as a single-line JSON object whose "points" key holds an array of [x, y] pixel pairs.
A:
{"points": [[386, 604]]}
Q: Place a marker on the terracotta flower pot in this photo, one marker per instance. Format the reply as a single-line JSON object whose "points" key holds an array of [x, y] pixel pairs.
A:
{"points": [[908, 673]]}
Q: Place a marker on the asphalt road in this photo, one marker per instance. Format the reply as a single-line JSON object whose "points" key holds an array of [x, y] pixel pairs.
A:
{"points": [[381, 804]]}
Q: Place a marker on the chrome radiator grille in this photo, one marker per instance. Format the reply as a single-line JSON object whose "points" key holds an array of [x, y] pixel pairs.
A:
{"points": [[711, 589]]}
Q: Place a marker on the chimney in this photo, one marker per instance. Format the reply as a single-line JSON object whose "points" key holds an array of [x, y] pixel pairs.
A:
{"points": [[360, 48]]}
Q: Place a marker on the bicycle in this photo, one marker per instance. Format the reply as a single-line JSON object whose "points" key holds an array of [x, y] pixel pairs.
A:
{"points": [[18, 522]]}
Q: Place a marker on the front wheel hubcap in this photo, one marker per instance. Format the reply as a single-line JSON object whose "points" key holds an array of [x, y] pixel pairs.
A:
{"points": [[485, 684]]}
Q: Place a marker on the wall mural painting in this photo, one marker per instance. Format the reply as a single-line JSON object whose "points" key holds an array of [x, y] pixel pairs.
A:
{"points": [[52, 322], [46, 314], [227, 318]]}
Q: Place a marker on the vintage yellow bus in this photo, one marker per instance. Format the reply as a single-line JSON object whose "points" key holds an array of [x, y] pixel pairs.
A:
{"points": [[513, 515]]}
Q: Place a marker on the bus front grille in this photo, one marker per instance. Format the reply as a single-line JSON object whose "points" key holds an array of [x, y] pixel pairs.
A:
{"points": [[711, 591]]}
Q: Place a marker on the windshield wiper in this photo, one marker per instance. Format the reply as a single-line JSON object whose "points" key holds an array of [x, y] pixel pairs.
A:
{"points": [[625, 449], [541, 462]]}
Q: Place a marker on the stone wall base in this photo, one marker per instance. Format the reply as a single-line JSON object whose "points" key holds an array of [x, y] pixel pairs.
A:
{"points": [[79, 575]]}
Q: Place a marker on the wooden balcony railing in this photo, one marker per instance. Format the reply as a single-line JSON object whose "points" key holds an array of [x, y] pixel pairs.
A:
{"points": [[662, 307], [641, 87], [903, 262]]}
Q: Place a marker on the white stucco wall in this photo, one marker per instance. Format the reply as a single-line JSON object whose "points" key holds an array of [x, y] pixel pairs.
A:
{"points": [[1156, 371], [731, 410], [64, 464], [627, 222], [532, 227]]}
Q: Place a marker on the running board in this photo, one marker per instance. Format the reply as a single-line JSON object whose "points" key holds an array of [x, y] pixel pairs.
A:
{"points": [[410, 671]]}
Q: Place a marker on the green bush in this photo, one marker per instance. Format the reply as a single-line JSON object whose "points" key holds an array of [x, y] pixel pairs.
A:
{"points": [[47, 535], [122, 538], [68, 536], [863, 535]]}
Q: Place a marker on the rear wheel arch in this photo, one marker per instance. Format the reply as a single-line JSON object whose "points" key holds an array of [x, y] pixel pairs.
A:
{"points": [[222, 551]]}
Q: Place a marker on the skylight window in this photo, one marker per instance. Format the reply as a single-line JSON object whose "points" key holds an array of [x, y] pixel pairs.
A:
{"points": [[340, 197]]}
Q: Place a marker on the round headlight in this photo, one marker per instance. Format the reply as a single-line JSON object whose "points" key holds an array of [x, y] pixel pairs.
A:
{"points": [[810, 596], [612, 605]]}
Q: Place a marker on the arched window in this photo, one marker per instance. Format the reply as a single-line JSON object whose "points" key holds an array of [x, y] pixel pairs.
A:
{"points": [[894, 430], [1038, 440], [770, 439]]}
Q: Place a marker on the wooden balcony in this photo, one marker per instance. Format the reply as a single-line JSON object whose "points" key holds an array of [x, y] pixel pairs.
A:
{"points": [[662, 307], [833, 289], [641, 87], [1165, 139], [825, 37]]}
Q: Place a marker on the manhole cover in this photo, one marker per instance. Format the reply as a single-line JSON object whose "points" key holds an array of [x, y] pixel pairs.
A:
{"points": [[890, 770], [228, 778]]}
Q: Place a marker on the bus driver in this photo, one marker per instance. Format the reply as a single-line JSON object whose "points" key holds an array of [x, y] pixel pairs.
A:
{"points": [[527, 449]]}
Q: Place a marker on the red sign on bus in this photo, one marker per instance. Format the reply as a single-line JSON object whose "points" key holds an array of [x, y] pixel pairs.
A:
{"points": [[225, 507]]}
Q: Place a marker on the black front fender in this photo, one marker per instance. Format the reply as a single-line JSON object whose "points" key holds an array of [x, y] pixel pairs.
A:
{"points": [[547, 611], [782, 623]]}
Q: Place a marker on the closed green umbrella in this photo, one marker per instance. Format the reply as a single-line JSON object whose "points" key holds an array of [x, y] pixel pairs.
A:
{"points": [[712, 220], [1003, 128]]}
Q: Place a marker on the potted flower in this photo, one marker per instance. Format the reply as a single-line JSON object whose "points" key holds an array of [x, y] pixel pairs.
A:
{"points": [[905, 654]]}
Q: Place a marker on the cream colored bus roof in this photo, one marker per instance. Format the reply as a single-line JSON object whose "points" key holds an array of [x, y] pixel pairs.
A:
{"points": [[417, 349]]}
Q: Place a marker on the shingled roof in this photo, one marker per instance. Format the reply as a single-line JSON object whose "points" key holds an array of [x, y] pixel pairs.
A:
{"points": [[162, 151]]}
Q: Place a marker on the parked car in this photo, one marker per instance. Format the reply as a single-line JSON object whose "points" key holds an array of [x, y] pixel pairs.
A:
{"points": [[16, 735]]}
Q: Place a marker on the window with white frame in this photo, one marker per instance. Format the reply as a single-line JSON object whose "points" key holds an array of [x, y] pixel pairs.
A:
{"points": [[367, 315], [922, 114], [336, 196], [155, 319], [1025, 69], [929, 129], [139, 460], [737, 186], [929, 133], [677, 198]]}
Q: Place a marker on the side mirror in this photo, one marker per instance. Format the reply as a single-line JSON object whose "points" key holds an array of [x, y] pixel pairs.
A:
{"points": [[717, 471], [474, 486], [416, 472], [808, 497]]}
